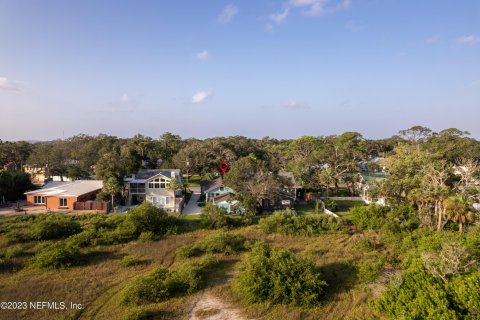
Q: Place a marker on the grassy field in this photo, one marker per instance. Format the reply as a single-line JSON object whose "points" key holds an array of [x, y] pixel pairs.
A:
{"points": [[97, 283]]}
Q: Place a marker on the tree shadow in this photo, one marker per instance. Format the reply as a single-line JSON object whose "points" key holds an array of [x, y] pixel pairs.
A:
{"points": [[97, 257], [340, 277]]}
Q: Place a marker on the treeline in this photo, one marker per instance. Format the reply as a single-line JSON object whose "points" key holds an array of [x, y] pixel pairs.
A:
{"points": [[317, 162]]}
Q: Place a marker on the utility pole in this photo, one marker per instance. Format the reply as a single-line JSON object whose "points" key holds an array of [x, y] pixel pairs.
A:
{"points": [[188, 164]]}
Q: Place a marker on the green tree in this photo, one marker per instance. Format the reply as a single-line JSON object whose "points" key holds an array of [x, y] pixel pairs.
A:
{"points": [[111, 187]]}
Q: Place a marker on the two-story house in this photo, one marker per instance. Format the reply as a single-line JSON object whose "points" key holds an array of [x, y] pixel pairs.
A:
{"points": [[155, 186]]}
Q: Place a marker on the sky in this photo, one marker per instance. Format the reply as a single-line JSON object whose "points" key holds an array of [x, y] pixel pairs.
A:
{"points": [[209, 68]]}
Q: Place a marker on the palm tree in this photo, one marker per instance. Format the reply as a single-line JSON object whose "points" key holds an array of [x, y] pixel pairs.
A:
{"points": [[174, 186], [112, 187], [459, 210], [326, 177]]}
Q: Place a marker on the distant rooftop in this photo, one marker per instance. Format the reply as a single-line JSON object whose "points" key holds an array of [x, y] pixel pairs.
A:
{"points": [[69, 188]]}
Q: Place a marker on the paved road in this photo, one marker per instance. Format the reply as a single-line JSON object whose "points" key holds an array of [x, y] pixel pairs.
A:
{"points": [[192, 207]]}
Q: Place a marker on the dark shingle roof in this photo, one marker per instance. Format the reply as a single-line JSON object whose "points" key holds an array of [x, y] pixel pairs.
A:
{"points": [[148, 173]]}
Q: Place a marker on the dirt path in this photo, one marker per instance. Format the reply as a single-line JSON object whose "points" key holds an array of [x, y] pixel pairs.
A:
{"points": [[209, 307]]}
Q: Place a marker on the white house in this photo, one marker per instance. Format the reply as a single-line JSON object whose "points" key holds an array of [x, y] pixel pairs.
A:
{"points": [[153, 185]]}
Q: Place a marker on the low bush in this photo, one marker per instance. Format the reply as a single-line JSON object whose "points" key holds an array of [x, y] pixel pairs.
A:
{"points": [[288, 223], [417, 294], [163, 284], [279, 276], [214, 217], [149, 218], [16, 236], [370, 267], [223, 242], [393, 219], [12, 252], [147, 236], [84, 238], [139, 314], [129, 261], [55, 228], [331, 205], [58, 255]]}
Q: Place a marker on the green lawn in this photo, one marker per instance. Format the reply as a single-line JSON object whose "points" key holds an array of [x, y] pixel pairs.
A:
{"points": [[193, 181], [343, 207]]}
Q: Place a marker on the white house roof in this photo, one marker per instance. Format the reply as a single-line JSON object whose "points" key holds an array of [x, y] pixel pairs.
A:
{"points": [[68, 188]]}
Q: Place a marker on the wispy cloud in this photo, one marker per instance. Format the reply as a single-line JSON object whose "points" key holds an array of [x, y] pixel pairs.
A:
{"points": [[295, 105], [200, 96], [469, 39], [202, 55], [279, 17], [10, 85], [319, 7], [227, 14], [125, 103]]}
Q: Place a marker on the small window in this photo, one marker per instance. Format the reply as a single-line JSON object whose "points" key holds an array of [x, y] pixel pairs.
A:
{"points": [[222, 188], [39, 199], [63, 202]]}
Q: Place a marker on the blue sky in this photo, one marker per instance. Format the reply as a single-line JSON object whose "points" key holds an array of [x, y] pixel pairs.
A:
{"points": [[256, 68]]}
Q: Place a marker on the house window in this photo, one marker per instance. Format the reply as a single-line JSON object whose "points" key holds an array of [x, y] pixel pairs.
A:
{"points": [[63, 202], [154, 184], [159, 183], [164, 200], [39, 199]]}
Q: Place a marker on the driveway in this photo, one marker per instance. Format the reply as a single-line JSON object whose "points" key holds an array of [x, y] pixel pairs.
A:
{"points": [[192, 207]]}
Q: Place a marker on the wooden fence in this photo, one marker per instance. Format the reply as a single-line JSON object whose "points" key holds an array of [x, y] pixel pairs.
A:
{"points": [[92, 205]]}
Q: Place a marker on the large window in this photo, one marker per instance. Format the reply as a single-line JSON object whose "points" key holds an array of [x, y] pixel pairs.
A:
{"points": [[158, 183], [63, 202], [39, 199], [164, 200], [137, 188]]}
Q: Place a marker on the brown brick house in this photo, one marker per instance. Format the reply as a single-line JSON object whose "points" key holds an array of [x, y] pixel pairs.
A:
{"points": [[63, 195]]}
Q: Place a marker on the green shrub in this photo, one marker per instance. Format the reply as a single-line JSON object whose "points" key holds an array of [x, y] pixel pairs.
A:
{"points": [[214, 217], [331, 205], [147, 236], [55, 228], [465, 293], [139, 314], [279, 276], [57, 255], [16, 236], [13, 252], [84, 238], [223, 242], [370, 217], [393, 219], [129, 261], [149, 218], [288, 223], [370, 267], [417, 295], [163, 284]]}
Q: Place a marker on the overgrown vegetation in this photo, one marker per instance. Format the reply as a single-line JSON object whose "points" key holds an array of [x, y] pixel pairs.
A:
{"points": [[223, 242], [58, 255], [279, 276], [214, 217], [163, 283], [289, 223]]}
